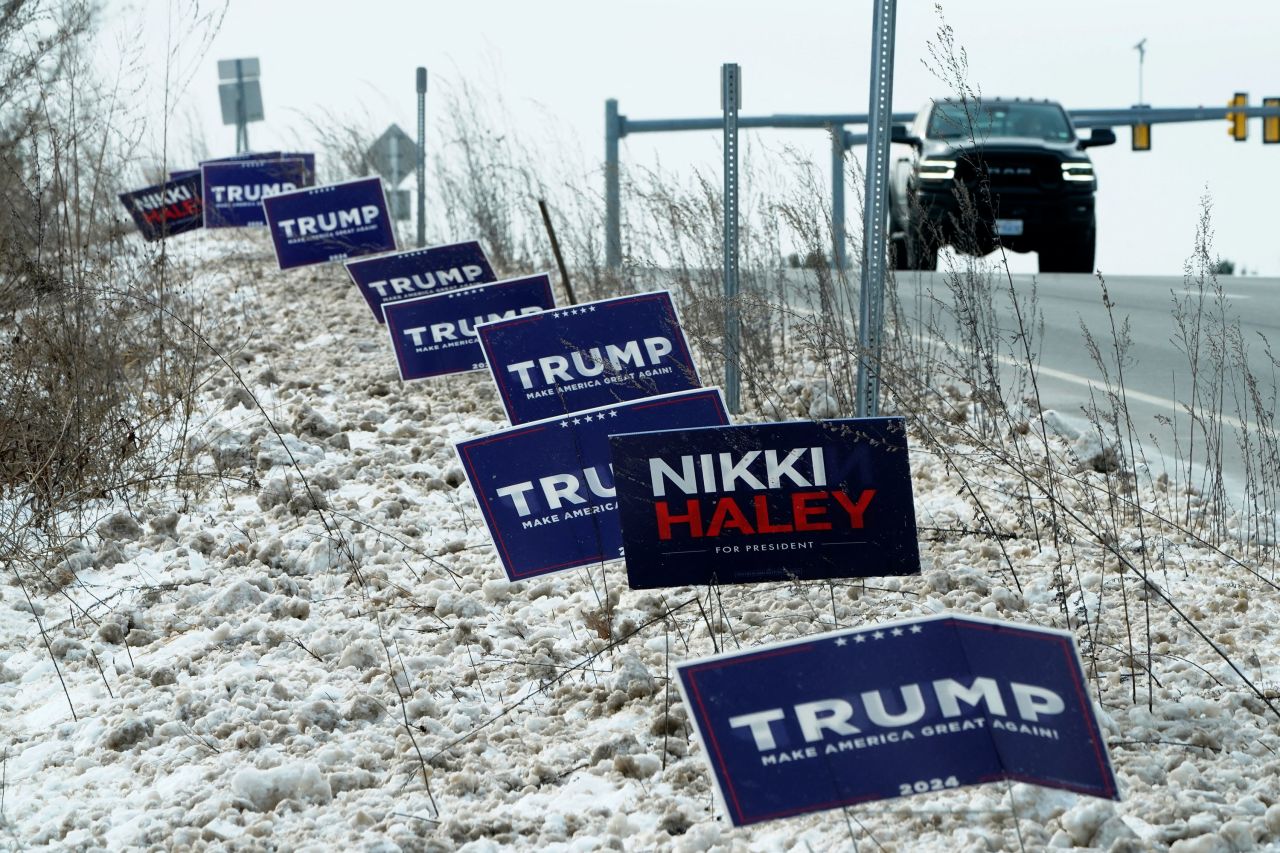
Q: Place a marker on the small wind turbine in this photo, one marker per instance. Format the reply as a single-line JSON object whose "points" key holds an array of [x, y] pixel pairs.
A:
{"points": [[1141, 48]]}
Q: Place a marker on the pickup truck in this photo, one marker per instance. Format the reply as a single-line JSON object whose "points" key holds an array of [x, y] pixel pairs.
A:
{"points": [[995, 172]]}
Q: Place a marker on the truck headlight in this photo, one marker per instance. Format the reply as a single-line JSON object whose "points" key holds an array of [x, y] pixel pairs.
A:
{"points": [[937, 170], [1077, 171]]}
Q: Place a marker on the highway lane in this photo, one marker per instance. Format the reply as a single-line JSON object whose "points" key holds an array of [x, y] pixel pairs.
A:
{"points": [[1157, 374]]}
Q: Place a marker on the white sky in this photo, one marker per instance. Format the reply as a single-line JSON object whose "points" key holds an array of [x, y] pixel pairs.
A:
{"points": [[556, 61]]}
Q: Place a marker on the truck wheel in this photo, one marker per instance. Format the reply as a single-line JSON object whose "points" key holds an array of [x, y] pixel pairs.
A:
{"points": [[1074, 252]]}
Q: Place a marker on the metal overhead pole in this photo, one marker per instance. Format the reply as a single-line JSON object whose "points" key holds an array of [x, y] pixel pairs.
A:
{"points": [[838, 258], [422, 157], [880, 119], [731, 100], [612, 190]]}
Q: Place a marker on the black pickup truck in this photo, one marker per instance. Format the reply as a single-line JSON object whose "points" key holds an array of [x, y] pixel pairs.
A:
{"points": [[995, 172]]}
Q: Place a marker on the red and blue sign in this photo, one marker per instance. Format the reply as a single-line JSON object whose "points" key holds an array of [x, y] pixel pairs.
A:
{"points": [[330, 223], [766, 502], [545, 489], [420, 272], [589, 355], [164, 210], [234, 190], [436, 335], [893, 710]]}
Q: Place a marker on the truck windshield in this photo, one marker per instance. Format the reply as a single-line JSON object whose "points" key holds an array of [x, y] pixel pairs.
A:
{"points": [[1036, 121]]}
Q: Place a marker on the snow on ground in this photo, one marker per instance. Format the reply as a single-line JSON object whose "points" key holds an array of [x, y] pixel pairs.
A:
{"points": [[255, 667]]}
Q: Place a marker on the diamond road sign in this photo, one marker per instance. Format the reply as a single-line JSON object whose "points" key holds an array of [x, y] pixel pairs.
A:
{"points": [[395, 155]]}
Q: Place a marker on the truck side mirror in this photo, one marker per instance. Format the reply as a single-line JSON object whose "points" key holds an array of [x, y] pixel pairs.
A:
{"points": [[899, 133], [1099, 136]]}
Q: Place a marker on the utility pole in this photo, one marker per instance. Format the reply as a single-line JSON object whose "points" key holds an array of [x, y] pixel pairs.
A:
{"points": [[731, 101]]}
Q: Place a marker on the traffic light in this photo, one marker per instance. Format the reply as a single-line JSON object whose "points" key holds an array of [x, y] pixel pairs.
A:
{"points": [[1271, 124], [1239, 122], [1141, 136]]}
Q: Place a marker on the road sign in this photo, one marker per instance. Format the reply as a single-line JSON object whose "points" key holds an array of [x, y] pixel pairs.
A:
{"points": [[231, 69], [394, 155], [229, 97], [892, 710]]}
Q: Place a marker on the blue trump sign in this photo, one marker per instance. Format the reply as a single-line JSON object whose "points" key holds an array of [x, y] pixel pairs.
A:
{"points": [[588, 355], [166, 209], [545, 488], [329, 223], [766, 502], [892, 710], [420, 272], [435, 335], [234, 190]]}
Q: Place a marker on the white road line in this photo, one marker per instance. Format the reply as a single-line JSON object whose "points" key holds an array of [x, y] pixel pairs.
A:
{"points": [[1172, 406]]}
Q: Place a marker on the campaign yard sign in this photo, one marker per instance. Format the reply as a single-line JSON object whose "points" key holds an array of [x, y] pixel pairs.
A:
{"points": [[166, 209], [892, 710], [435, 335], [766, 502], [329, 223], [588, 355], [234, 190], [419, 272], [545, 488]]}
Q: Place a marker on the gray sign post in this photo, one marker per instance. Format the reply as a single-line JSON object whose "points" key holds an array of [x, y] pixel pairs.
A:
{"points": [[422, 160], [393, 156], [731, 101], [879, 126]]}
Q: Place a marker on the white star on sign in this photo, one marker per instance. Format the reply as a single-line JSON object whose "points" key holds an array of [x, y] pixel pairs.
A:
{"points": [[859, 639], [564, 424], [613, 413], [592, 308], [897, 632], [916, 629], [878, 635], [600, 416], [841, 641], [576, 421]]}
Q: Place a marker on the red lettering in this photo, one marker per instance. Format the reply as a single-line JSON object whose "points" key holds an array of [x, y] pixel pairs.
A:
{"points": [[692, 517], [728, 514], [762, 518], [802, 511], [855, 511]]}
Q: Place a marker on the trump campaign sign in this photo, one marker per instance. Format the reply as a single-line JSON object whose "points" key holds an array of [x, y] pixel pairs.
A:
{"points": [[435, 335], [892, 710], [546, 489], [420, 272], [234, 190], [765, 502], [588, 355], [329, 223], [166, 209]]}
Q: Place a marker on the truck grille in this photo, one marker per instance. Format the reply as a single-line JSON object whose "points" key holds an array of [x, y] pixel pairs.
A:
{"points": [[1010, 171]]}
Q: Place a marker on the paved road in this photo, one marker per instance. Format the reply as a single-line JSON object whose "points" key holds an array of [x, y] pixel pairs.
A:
{"points": [[1157, 374]]}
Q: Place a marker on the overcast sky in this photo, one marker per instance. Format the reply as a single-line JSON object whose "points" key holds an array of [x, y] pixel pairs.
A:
{"points": [[556, 61]]}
